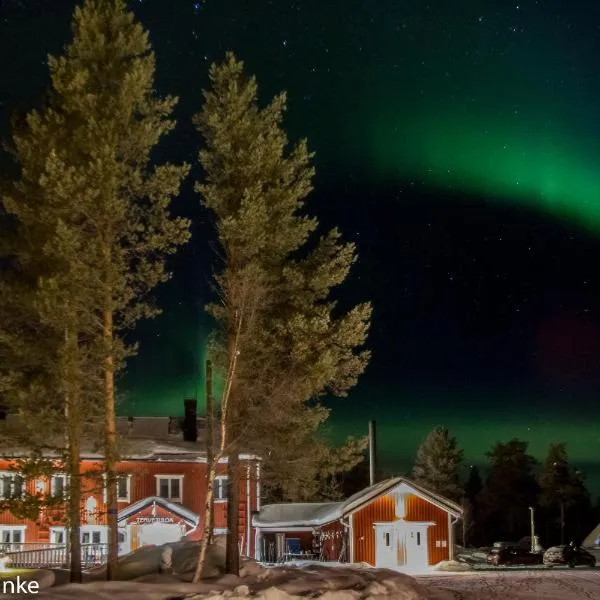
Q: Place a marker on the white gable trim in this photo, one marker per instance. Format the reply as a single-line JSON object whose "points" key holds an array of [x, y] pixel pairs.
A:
{"points": [[404, 487]]}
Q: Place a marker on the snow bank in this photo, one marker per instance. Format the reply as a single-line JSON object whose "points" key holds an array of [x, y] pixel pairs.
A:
{"points": [[453, 566], [345, 583], [147, 560]]}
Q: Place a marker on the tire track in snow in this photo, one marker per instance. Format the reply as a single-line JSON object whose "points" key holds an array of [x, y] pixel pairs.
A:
{"points": [[573, 583]]}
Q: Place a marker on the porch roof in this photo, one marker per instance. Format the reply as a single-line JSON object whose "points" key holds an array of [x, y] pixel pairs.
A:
{"points": [[176, 509], [302, 514]]}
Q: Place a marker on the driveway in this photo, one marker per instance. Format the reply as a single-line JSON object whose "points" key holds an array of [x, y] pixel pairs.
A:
{"points": [[535, 584]]}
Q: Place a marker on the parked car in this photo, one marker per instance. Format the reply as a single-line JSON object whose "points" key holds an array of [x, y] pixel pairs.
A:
{"points": [[504, 544], [568, 555], [513, 555]]}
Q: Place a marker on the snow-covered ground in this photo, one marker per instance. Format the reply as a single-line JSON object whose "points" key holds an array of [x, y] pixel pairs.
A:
{"points": [[352, 584], [558, 584], [329, 581]]}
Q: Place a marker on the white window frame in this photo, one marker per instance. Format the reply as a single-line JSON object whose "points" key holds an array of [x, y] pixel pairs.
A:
{"points": [[119, 476], [12, 528], [13, 474], [219, 530], [62, 530], [170, 478], [91, 529], [62, 476], [220, 481]]}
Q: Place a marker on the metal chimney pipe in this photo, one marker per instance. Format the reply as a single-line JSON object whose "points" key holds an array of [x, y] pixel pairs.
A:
{"points": [[372, 452]]}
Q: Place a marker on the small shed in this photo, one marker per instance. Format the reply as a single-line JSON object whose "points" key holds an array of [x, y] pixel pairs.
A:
{"points": [[395, 524]]}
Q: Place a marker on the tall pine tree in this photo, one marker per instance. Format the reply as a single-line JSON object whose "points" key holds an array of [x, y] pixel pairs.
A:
{"points": [[103, 89], [438, 462], [50, 340], [99, 129], [285, 341]]}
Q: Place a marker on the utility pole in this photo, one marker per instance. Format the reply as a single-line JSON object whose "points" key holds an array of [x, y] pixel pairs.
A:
{"points": [[372, 452], [532, 517]]}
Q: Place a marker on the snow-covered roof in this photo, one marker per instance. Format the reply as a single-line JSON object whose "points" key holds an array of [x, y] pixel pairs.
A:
{"points": [[176, 509], [307, 514], [131, 447]]}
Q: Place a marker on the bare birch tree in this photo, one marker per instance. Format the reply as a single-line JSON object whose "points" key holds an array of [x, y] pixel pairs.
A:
{"points": [[276, 279]]}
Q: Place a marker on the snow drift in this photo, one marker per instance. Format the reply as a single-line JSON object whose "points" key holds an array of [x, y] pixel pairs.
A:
{"points": [[141, 568]]}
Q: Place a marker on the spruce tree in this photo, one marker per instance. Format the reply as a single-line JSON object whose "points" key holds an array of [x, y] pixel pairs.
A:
{"points": [[99, 129], [510, 489], [438, 464], [560, 486], [473, 485], [471, 511], [285, 342]]}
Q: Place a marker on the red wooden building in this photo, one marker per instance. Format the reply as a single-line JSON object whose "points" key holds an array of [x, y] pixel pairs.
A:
{"points": [[161, 493], [394, 524]]}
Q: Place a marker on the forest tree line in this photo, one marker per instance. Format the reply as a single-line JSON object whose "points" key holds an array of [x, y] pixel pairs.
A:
{"points": [[496, 500]]}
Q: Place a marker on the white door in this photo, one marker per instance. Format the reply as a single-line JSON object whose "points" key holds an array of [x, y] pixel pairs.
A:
{"points": [[416, 546], [386, 547]]}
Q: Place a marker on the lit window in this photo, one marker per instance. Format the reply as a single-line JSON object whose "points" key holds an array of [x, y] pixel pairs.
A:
{"points": [[221, 487]]}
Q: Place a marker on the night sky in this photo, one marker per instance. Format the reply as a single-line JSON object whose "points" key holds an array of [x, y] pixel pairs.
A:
{"points": [[458, 143]]}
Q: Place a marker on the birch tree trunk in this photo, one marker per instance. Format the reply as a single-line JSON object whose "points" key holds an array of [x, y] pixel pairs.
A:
{"points": [[210, 438], [223, 437]]}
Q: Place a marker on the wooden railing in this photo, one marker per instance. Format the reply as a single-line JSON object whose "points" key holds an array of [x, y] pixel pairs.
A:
{"points": [[52, 555]]}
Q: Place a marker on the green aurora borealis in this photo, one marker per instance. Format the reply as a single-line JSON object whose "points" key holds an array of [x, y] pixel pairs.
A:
{"points": [[516, 161], [499, 99]]}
